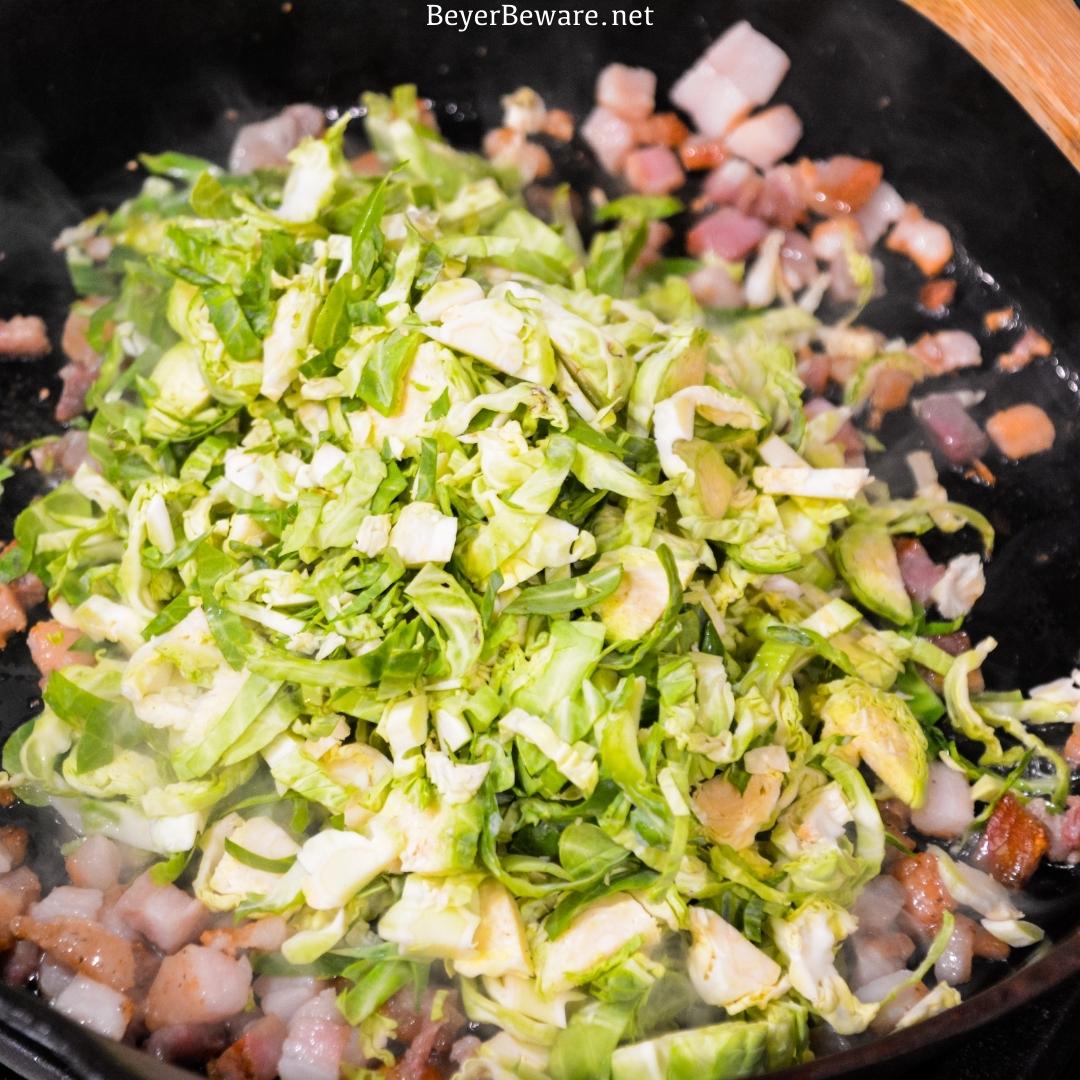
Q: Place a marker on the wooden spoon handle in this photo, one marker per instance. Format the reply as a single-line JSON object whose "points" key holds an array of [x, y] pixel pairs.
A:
{"points": [[1032, 47]]}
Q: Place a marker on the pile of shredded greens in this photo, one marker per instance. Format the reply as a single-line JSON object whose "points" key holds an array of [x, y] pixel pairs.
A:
{"points": [[469, 600]]}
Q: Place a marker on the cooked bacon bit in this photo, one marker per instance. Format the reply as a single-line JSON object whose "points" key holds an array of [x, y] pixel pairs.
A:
{"points": [[65, 455], [265, 935], [1000, 319], [50, 647], [843, 366], [1021, 431], [508, 148], [1030, 344], [14, 840], [1012, 844], [657, 234], [735, 183], [951, 429], [713, 287], [266, 144], [891, 1013], [23, 335], [21, 963], [1063, 829], [798, 266], [661, 129], [947, 350], [927, 243], [255, 1055], [75, 342], [82, 946], [94, 864], [842, 184], [987, 946], [728, 233], [710, 99], [559, 124], [367, 164], [882, 209], [423, 1034], [653, 170], [191, 1045], [77, 381], [980, 473], [29, 591], [767, 136], [197, 986], [919, 571], [872, 955], [18, 890], [936, 295], [700, 152], [891, 390], [781, 200], [12, 615], [1072, 745], [927, 898], [164, 914], [628, 92], [813, 370], [954, 964], [609, 136]]}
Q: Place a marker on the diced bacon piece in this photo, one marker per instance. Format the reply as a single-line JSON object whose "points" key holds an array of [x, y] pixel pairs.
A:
{"points": [[255, 1055], [878, 904], [12, 616], [919, 571], [510, 149], [947, 350], [629, 92], [657, 234], [197, 986], [316, 1041], [949, 808], [50, 647], [164, 914], [69, 902], [782, 198], [190, 1045], [881, 210], [989, 947], [713, 287], [1000, 319], [29, 591], [735, 183], [1030, 344], [951, 429], [752, 61], [831, 240], [728, 233], [81, 946], [893, 1011], [282, 995], [94, 1006], [927, 897], [609, 136], [21, 963], [367, 164], [700, 152], [767, 136], [954, 964], [559, 124], [266, 144], [710, 99], [94, 864], [798, 265], [264, 935], [1063, 830], [874, 955], [1072, 746], [653, 170], [936, 295], [927, 243], [18, 890], [661, 129], [813, 371], [74, 342], [464, 1048], [23, 335], [52, 978], [890, 391], [1012, 844], [65, 455], [841, 184], [1022, 430], [77, 381]]}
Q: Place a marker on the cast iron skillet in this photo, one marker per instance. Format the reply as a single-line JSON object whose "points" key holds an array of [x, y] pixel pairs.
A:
{"points": [[86, 86]]}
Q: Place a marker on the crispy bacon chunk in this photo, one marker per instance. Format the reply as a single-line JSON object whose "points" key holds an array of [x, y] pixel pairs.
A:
{"points": [[1012, 844]]}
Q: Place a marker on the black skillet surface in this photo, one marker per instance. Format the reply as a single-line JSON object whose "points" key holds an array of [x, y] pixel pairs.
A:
{"points": [[86, 86]]}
